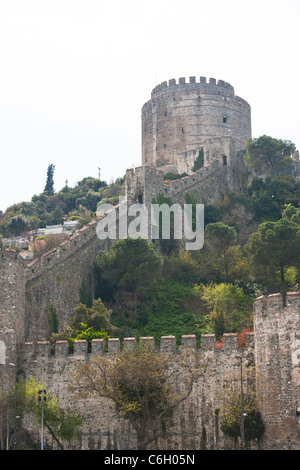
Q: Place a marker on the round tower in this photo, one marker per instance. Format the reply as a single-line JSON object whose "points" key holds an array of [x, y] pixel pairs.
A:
{"points": [[181, 116]]}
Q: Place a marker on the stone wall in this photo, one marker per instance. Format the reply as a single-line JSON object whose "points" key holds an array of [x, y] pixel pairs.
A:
{"points": [[209, 184], [12, 310], [179, 117], [193, 425], [55, 279], [274, 347], [277, 357]]}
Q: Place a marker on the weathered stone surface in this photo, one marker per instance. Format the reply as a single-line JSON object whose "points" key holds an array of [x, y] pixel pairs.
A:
{"points": [[185, 117], [180, 117]]}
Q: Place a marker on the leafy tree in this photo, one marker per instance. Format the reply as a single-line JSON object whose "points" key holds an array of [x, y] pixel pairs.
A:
{"points": [[228, 306], [132, 268], [199, 162], [49, 186], [266, 154], [231, 407], [136, 381], [96, 316], [62, 424], [170, 245], [16, 226], [211, 214], [222, 250], [272, 250], [88, 323], [292, 213], [181, 266]]}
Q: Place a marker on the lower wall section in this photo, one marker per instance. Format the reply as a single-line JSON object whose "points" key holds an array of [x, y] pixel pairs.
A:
{"points": [[194, 424]]}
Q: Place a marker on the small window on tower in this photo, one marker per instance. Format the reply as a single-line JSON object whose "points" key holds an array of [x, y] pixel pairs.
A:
{"points": [[182, 130], [224, 160], [224, 118]]}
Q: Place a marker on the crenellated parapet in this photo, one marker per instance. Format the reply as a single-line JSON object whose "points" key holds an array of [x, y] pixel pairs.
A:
{"points": [[181, 116], [273, 349], [168, 344], [273, 303], [203, 82]]}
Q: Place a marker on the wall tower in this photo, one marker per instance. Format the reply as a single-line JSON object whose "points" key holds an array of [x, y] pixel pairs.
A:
{"points": [[12, 311], [277, 361], [181, 116]]}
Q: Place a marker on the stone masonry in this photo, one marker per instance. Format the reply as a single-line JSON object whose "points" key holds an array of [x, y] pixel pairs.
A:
{"points": [[181, 116], [177, 121], [274, 348]]}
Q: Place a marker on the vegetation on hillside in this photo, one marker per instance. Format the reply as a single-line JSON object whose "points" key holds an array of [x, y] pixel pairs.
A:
{"points": [[252, 246], [50, 208]]}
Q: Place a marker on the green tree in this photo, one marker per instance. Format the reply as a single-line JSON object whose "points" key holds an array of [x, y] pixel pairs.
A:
{"points": [[16, 225], [49, 186], [266, 154], [231, 407], [272, 251], [228, 306], [62, 424], [170, 245], [136, 381], [199, 162], [222, 250], [88, 323], [132, 267]]}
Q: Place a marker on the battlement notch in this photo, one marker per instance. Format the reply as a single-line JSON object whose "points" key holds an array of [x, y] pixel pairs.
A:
{"points": [[192, 80]]}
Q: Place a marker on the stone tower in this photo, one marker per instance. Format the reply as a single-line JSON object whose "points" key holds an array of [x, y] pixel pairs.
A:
{"points": [[12, 311], [180, 117], [277, 361]]}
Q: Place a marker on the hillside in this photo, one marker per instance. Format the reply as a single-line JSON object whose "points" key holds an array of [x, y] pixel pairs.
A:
{"points": [[49, 208], [251, 247]]}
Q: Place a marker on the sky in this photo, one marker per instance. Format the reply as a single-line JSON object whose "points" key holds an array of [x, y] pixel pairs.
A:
{"points": [[75, 74]]}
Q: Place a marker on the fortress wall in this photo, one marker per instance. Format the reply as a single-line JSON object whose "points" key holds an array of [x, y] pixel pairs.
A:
{"points": [[277, 358], [55, 280], [193, 425], [12, 311], [222, 172], [143, 184], [179, 117], [209, 183]]}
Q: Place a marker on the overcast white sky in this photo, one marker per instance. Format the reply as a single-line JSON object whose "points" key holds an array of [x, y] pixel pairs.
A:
{"points": [[75, 74]]}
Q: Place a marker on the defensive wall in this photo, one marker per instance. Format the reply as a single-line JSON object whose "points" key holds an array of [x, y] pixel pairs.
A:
{"points": [[54, 280], [195, 424], [222, 172], [273, 349], [179, 117], [277, 359], [190, 116]]}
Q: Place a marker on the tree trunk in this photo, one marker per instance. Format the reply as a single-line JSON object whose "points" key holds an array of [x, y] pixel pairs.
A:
{"points": [[55, 438]]}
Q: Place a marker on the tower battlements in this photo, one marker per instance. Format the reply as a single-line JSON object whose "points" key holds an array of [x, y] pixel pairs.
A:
{"points": [[273, 304], [203, 81], [181, 116]]}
